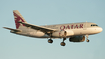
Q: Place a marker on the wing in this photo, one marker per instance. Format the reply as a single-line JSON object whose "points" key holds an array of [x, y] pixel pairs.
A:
{"points": [[40, 28], [16, 30]]}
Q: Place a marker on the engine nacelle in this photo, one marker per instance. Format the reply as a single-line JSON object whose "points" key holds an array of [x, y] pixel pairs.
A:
{"points": [[63, 33], [77, 39]]}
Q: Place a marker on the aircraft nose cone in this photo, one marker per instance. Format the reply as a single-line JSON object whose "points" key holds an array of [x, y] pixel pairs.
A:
{"points": [[100, 29]]}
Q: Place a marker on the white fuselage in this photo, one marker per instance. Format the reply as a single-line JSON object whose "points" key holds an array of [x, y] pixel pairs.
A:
{"points": [[77, 29]]}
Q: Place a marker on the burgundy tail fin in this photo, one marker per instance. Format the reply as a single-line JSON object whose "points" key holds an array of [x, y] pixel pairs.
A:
{"points": [[18, 18]]}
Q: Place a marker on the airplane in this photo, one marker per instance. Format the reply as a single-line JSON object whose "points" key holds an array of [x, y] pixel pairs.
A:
{"points": [[76, 32]]}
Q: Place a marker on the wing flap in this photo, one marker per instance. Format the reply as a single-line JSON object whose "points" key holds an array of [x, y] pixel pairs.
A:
{"points": [[40, 28]]}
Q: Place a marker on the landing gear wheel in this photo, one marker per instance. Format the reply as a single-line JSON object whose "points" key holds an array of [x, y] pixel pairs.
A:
{"points": [[87, 40], [50, 41], [63, 43]]}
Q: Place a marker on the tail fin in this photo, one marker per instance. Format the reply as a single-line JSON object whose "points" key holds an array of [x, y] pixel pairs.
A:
{"points": [[18, 17]]}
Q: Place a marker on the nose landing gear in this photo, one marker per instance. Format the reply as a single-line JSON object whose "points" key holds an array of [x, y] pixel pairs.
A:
{"points": [[87, 38]]}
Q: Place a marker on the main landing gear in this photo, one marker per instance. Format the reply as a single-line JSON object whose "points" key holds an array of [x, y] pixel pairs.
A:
{"points": [[62, 43], [50, 41], [87, 38]]}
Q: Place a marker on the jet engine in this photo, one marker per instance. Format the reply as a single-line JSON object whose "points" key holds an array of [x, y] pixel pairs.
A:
{"points": [[63, 33], [77, 39]]}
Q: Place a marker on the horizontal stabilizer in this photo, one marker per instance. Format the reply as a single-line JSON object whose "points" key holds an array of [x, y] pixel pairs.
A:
{"points": [[17, 30]]}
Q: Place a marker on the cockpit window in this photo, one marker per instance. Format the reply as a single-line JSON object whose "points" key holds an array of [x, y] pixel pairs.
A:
{"points": [[94, 25]]}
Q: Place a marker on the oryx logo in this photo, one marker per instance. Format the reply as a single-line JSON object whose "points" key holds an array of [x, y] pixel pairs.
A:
{"points": [[17, 19]]}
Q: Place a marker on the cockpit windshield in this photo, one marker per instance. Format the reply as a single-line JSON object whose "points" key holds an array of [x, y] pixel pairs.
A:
{"points": [[94, 25]]}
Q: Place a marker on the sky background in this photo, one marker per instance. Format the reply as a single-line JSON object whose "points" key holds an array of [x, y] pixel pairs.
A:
{"points": [[48, 12]]}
